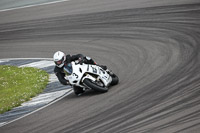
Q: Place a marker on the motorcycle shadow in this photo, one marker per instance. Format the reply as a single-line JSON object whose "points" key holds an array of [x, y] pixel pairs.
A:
{"points": [[87, 93]]}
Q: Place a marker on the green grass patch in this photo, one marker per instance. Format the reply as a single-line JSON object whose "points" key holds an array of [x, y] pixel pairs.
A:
{"points": [[18, 85]]}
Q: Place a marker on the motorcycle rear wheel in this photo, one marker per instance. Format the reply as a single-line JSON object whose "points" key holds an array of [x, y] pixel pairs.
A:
{"points": [[115, 79]]}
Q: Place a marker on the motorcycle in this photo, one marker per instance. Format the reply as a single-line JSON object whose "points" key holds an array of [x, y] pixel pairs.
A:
{"points": [[87, 76]]}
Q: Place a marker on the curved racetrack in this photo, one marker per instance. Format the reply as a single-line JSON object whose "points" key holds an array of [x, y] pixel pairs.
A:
{"points": [[154, 50]]}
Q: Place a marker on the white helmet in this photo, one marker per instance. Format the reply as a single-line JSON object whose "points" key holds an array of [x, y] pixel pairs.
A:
{"points": [[59, 59]]}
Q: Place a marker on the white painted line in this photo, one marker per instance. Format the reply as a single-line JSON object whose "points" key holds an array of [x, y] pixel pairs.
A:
{"points": [[7, 59], [5, 123], [45, 98], [4, 60], [39, 64], [48, 3]]}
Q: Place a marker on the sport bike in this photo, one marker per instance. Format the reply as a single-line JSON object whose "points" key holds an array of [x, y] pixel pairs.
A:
{"points": [[86, 76]]}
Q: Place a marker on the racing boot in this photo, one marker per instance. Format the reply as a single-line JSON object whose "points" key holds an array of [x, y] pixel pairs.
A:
{"points": [[78, 90]]}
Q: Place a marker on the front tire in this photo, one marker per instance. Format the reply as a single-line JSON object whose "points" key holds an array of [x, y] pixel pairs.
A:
{"points": [[94, 86]]}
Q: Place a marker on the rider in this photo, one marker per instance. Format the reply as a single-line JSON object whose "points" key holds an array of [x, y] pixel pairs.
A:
{"points": [[61, 60]]}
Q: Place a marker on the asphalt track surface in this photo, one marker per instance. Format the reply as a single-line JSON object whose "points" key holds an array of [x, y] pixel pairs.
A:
{"points": [[152, 46]]}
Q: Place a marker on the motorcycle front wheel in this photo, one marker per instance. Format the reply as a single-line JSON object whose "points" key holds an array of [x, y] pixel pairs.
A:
{"points": [[92, 85]]}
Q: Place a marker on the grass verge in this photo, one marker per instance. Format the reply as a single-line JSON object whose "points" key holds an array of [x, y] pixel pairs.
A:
{"points": [[18, 85]]}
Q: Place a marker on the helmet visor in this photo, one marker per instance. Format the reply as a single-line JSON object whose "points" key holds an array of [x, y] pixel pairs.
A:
{"points": [[60, 61], [68, 69]]}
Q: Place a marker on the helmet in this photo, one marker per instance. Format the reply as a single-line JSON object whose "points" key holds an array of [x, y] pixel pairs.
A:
{"points": [[59, 58]]}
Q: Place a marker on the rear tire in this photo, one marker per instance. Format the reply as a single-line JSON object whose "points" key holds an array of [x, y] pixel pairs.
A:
{"points": [[115, 79], [94, 86]]}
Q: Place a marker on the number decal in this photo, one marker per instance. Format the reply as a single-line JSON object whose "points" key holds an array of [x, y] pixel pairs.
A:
{"points": [[74, 74], [101, 70], [94, 69]]}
